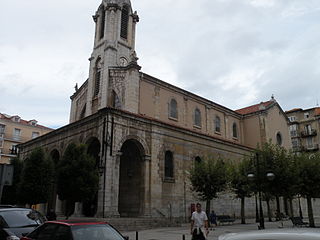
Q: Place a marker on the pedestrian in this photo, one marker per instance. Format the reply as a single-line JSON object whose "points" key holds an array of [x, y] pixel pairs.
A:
{"points": [[51, 215], [213, 218], [199, 224]]}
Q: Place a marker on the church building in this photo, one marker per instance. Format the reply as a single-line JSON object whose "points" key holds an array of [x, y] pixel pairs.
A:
{"points": [[145, 133]]}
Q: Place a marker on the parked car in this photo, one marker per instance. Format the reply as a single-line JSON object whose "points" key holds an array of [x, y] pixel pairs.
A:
{"points": [[75, 230], [275, 234], [17, 221]]}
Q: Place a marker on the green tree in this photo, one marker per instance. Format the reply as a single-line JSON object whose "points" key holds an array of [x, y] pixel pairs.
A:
{"points": [[208, 178], [77, 176], [240, 183], [308, 166], [36, 178], [10, 193]]}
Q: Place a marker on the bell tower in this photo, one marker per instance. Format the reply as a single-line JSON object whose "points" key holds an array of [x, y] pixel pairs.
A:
{"points": [[113, 51]]}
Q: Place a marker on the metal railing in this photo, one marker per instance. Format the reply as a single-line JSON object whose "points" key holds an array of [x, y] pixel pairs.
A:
{"points": [[307, 133]]}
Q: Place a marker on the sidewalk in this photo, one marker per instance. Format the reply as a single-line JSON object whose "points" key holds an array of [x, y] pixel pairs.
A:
{"points": [[175, 233]]}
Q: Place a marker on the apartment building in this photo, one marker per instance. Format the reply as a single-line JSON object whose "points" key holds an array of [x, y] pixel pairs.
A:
{"points": [[13, 131], [304, 129]]}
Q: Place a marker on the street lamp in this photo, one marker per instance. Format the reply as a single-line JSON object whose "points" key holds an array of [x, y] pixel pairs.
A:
{"points": [[251, 176]]}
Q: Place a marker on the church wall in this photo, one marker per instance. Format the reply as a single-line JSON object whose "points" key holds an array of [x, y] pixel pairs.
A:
{"points": [[278, 122], [252, 134], [155, 100]]}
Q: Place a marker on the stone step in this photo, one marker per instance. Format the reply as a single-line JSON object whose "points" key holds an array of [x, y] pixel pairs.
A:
{"points": [[135, 224]]}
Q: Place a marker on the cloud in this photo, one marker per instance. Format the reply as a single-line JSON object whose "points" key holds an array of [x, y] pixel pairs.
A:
{"points": [[233, 52]]}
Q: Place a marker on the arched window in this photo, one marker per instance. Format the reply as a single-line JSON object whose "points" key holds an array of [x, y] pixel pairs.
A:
{"points": [[217, 124], [197, 117], [116, 103], [102, 23], [234, 130], [97, 77], [279, 139], [124, 22], [168, 165], [173, 109]]}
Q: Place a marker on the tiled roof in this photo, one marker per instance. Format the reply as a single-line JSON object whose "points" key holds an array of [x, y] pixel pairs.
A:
{"points": [[22, 121], [294, 110], [255, 108]]}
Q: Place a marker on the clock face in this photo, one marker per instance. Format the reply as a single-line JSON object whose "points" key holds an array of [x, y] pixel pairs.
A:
{"points": [[123, 62]]}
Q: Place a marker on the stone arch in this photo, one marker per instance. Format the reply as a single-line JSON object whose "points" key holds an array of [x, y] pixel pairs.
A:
{"points": [[142, 143], [131, 179], [94, 148]]}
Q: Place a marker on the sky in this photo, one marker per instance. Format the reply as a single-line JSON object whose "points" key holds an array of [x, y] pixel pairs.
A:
{"points": [[234, 52]]}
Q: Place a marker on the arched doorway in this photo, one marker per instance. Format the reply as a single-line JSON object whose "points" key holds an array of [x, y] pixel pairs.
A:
{"points": [[93, 149], [131, 184]]}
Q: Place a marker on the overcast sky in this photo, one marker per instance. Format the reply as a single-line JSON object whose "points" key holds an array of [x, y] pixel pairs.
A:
{"points": [[233, 52]]}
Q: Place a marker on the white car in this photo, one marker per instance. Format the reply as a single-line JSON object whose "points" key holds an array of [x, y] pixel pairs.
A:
{"points": [[275, 234]]}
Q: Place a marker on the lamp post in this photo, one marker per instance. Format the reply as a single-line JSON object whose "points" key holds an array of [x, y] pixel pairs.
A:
{"points": [[270, 176]]}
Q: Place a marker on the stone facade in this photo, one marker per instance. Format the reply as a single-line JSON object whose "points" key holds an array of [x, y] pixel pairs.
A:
{"points": [[132, 122]]}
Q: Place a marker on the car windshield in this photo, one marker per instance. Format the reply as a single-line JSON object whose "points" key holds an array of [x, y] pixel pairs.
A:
{"points": [[22, 218], [95, 232]]}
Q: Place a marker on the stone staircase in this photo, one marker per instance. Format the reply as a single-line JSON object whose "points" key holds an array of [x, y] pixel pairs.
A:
{"points": [[135, 224]]}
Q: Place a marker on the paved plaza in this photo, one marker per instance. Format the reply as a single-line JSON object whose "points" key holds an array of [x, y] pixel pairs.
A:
{"points": [[176, 233]]}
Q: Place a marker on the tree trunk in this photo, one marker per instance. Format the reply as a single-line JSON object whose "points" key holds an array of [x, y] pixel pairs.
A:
{"points": [[310, 212], [278, 208], [269, 210], [243, 217], [285, 204], [291, 207], [257, 211], [208, 208]]}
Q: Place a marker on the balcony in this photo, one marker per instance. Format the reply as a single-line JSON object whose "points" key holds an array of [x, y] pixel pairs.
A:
{"points": [[313, 147], [309, 133]]}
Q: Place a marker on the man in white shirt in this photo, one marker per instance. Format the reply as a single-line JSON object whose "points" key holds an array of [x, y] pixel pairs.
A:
{"points": [[199, 223]]}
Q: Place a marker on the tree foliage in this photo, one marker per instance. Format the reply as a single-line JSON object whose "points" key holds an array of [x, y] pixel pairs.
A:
{"points": [[36, 178], [77, 175], [208, 178], [10, 193]]}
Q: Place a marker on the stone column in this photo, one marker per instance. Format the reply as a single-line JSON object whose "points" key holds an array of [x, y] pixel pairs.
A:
{"points": [[58, 208], [146, 211], [77, 210]]}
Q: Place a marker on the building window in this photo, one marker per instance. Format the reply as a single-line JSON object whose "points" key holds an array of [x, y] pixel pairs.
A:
{"points": [[16, 119], [97, 77], [16, 134], [306, 115], [102, 23], [308, 129], [309, 142], [83, 112], [292, 118], [1, 143], [173, 109], [124, 22], [35, 135], [168, 165], [197, 117], [116, 103], [217, 124], [2, 128], [234, 130], [279, 139], [293, 130]]}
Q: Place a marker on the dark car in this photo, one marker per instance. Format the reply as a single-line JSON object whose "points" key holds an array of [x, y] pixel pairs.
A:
{"points": [[14, 222], [74, 230]]}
